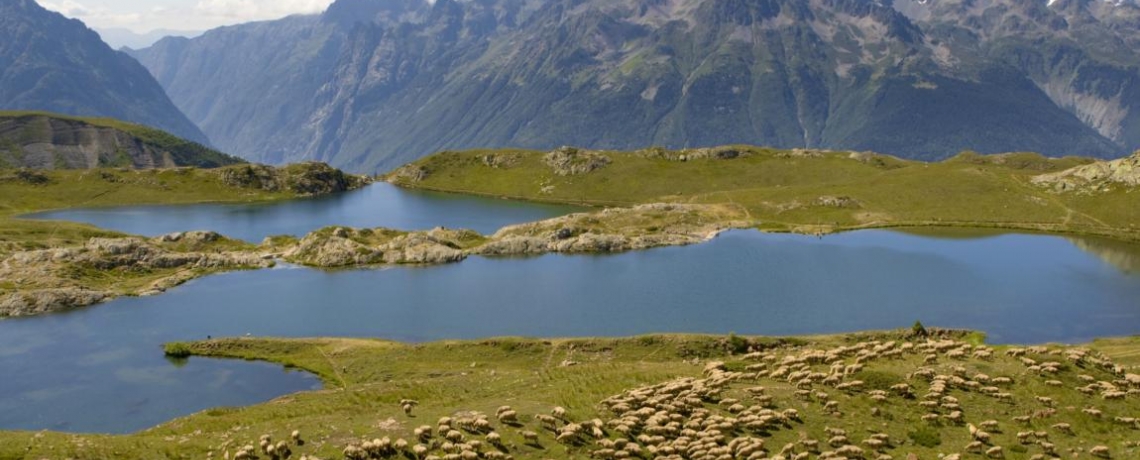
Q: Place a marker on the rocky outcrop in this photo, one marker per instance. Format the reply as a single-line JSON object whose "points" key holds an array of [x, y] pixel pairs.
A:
{"points": [[570, 161], [614, 230], [42, 141], [57, 279], [345, 247], [1095, 177], [304, 179], [39, 301]]}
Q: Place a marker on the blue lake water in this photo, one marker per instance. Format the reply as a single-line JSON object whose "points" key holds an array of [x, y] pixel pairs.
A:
{"points": [[102, 369], [378, 205]]}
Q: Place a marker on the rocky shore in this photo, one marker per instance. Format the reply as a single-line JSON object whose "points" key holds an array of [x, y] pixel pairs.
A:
{"points": [[1100, 176], [47, 280], [56, 279]]}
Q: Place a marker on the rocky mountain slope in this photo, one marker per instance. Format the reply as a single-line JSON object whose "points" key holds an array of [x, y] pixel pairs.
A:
{"points": [[372, 84], [51, 63], [47, 141]]}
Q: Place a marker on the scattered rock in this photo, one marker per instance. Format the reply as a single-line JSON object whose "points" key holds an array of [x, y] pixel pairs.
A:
{"points": [[612, 230], [1094, 177], [501, 160], [837, 202], [569, 161], [53, 280], [38, 301], [305, 179], [800, 153]]}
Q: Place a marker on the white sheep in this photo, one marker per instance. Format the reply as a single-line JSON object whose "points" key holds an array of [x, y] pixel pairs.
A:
{"points": [[558, 412]]}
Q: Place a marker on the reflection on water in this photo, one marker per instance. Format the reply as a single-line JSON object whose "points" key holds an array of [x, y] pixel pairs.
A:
{"points": [[378, 205], [1122, 255], [81, 369]]}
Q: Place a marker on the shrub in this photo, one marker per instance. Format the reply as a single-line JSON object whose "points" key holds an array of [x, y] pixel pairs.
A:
{"points": [[925, 436], [918, 329], [737, 344], [177, 350]]}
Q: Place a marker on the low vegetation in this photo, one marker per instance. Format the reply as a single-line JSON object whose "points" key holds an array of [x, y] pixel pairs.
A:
{"points": [[806, 190], [877, 395]]}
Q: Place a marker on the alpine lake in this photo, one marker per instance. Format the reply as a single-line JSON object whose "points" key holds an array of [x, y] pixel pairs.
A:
{"points": [[102, 368]]}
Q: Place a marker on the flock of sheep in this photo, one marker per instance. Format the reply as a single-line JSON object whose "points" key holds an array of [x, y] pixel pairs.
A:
{"points": [[734, 411]]}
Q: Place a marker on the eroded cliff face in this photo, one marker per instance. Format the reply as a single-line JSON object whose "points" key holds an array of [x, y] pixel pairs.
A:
{"points": [[46, 143], [42, 141]]}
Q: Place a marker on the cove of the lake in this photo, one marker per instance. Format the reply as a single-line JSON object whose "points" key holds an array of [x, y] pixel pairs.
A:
{"points": [[101, 368]]}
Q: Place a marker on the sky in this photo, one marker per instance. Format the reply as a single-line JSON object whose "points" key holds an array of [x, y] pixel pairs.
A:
{"points": [[143, 16]]}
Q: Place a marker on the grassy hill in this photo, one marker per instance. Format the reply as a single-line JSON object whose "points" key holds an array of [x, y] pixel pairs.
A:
{"points": [[796, 190], [52, 141]]}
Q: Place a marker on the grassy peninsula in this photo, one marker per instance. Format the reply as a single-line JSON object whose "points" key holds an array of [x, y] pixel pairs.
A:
{"points": [[51, 265], [927, 393], [811, 191]]}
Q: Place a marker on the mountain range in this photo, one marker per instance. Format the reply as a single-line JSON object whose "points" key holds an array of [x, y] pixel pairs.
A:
{"points": [[55, 64], [371, 84], [117, 37]]}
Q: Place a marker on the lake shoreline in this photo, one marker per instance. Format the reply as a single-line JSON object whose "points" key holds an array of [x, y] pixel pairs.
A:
{"points": [[611, 230]]}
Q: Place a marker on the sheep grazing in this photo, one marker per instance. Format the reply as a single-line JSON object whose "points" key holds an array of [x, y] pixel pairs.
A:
{"points": [[296, 437], [995, 452], [282, 450], [529, 437], [494, 438], [547, 421], [558, 412], [407, 405], [975, 447], [354, 452], [1099, 451], [508, 416]]}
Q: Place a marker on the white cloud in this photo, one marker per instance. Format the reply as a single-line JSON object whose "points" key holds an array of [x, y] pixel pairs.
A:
{"points": [[252, 10], [98, 14], [66, 7], [143, 16]]}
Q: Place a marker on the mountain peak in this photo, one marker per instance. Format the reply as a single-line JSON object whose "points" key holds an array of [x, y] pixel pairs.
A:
{"points": [[348, 12]]}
